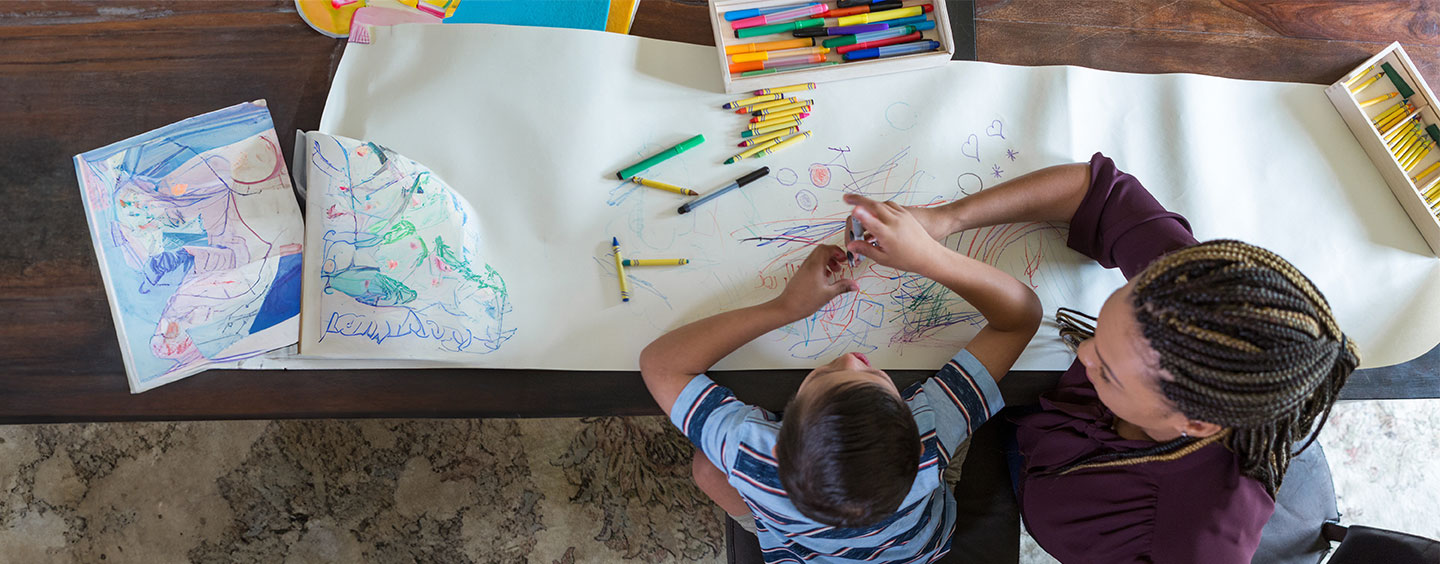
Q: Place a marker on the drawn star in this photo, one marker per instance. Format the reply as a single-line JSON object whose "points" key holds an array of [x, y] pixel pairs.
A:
{"points": [[1012, 153], [997, 172]]}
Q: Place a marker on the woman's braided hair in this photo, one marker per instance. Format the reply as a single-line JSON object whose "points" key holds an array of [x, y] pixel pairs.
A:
{"points": [[1251, 344]]}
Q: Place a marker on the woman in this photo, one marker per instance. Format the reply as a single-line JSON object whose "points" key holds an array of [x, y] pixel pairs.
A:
{"points": [[1167, 439]]}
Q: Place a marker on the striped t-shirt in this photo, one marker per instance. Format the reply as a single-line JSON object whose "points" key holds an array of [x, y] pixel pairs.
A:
{"points": [[740, 440]]}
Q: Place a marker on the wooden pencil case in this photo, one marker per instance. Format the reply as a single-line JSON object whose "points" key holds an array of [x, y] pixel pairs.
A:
{"points": [[1361, 122], [725, 37]]}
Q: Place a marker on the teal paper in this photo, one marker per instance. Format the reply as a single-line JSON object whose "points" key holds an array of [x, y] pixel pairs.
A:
{"points": [[577, 14]]}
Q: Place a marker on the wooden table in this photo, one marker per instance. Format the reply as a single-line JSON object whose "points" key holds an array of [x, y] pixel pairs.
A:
{"points": [[75, 76]]}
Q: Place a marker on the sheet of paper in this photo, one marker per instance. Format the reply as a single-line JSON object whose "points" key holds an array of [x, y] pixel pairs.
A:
{"points": [[398, 268], [199, 243], [532, 126]]}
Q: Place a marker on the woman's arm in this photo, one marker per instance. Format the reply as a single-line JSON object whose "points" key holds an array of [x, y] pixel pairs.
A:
{"points": [[1048, 194]]}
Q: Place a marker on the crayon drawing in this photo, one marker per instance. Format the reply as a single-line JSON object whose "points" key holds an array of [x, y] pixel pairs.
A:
{"points": [[398, 269], [199, 241]]}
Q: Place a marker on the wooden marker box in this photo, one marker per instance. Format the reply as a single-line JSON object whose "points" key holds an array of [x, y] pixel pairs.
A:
{"points": [[725, 36], [1361, 121]]}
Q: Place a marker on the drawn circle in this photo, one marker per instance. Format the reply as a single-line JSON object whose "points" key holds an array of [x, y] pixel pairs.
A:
{"points": [[901, 116], [806, 200], [819, 175], [787, 176], [969, 183]]}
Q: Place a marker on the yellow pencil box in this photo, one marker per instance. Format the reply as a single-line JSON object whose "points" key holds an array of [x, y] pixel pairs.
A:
{"points": [[725, 37], [1402, 79]]}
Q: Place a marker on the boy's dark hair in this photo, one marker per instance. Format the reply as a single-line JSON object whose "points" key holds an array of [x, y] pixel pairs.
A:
{"points": [[849, 455]]}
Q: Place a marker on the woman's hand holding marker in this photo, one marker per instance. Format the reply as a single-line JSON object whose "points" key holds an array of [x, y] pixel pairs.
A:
{"points": [[893, 237]]}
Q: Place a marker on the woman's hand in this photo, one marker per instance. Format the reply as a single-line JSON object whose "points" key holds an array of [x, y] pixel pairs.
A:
{"points": [[893, 236], [811, 286]]}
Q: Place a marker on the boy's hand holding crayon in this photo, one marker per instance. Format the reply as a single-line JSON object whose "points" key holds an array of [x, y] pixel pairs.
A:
{"points": [[817, 282], [894, 237]]}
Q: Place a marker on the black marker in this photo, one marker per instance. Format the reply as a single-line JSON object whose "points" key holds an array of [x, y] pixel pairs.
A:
{"points": [[762, 171]]}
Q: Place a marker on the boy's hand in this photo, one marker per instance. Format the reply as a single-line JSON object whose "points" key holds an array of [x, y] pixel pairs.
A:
{"points": [[894, 237], [811, 287]]}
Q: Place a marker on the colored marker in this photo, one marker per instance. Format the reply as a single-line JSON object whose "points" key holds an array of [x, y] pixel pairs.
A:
{"points": [[753, 150], [782, 107], [873, 17], [762, 139], [1367, 82], [743, 180], [660, 157], [856, 234], [656, 262], [877, 35], [772, 120], [915, 36], [876, 7], [907, 21], [780, 17], [736, 68], [620, 269], [778, 28], [769, 128], [792, 112], [1378, 99], [734, 15], [663, 186], [768, 55], [845, 30], [769, 46], [892, 50], [752, 100], [851, 3], [788, 142], [788, 68], [786, 89]]}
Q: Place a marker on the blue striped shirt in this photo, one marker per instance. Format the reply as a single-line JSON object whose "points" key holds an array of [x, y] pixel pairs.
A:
{"points": [[740, 440]]}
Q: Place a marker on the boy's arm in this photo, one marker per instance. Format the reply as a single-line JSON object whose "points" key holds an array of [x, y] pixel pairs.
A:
{"points": [[1012, 311], [669, 363]]}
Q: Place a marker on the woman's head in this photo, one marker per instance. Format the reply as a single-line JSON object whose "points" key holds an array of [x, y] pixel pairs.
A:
{"points": [[1221, 335]]}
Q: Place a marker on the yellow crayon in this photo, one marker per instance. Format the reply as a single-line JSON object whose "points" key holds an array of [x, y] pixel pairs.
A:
{"points": [[784, 89], [1382, 116], [1402, 138], [1392, 129], [620, 270], [1389, 122], [1415, 159], [1378, 99], [752, 141], [656, 262], [1405, 147], [1428, 170], [784, 108], [767, 55], [1432, 190], [1367, 82], [757, 107], [789, 141], [663, 186], [747, 153], [777, 119], [789, 112], [774, 126], [1410, 152], [1357, 76], [1411, 137], [751, 100]]}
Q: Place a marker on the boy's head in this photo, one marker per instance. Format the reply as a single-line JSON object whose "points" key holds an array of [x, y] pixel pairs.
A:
{"points": [[848, 447]]}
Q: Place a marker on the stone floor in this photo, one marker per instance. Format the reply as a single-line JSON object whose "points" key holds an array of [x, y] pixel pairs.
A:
{"points": [[544, 491]]}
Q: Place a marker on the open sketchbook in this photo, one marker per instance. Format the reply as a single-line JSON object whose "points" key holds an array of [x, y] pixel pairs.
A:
{"points": [[199, 243]]}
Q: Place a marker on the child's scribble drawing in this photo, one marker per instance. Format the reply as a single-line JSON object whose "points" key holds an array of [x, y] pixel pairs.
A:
{"points": [[399, 271], [199, 241]]}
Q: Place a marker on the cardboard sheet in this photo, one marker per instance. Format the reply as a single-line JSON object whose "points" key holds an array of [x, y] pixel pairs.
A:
{"points": [[530, 126]]}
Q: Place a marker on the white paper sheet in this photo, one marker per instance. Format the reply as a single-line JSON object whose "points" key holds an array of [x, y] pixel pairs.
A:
{"points": [[530, 125]]}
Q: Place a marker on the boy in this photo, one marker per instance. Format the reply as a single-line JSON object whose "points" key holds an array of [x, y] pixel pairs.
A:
{"points": [[854, 470]]}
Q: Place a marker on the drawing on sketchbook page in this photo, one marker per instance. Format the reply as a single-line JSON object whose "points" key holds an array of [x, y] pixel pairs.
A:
{"points": [[199, 240], [892, 308], [400, 271]]}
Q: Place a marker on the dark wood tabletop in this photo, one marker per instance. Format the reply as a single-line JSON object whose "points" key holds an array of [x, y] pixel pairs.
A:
{"points": [[78, 75]]}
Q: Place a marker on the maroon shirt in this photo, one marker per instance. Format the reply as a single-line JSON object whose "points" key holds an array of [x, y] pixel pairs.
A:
{"points": [[1198, 508]]}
